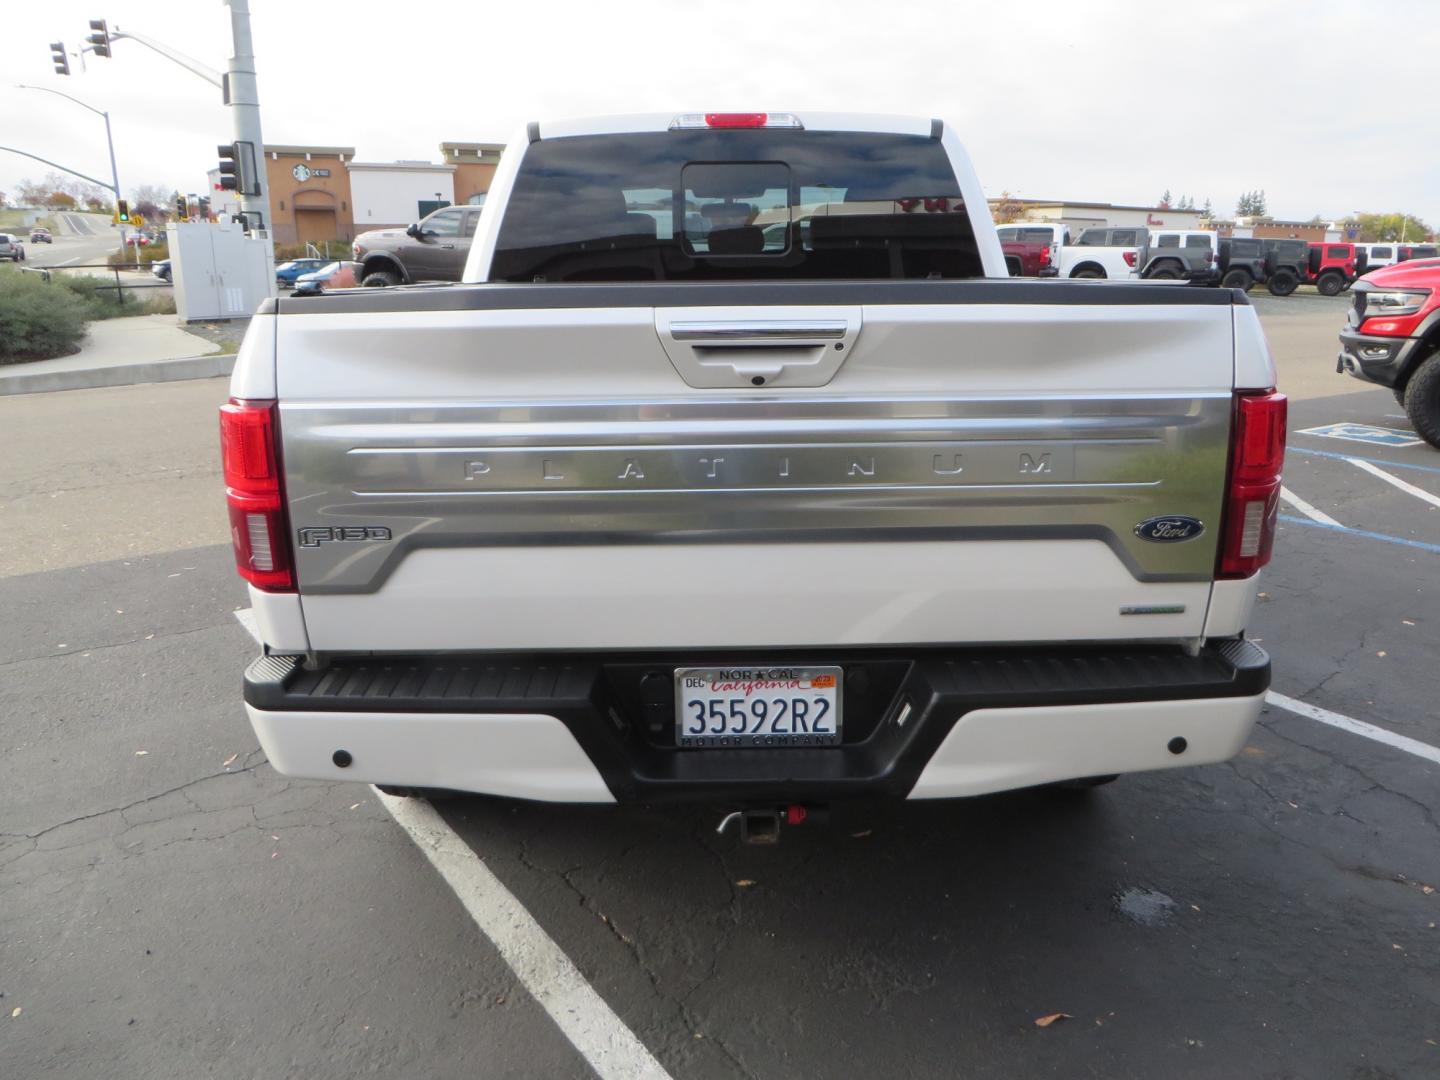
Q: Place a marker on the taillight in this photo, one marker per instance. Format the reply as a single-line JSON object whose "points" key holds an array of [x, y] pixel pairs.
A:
{"points": [[1045, 256], [1130, 257], [1252, 490], [250, 457], [686, 121]]}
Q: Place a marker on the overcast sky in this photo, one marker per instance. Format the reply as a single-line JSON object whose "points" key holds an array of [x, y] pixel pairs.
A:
{"points": [[1106, 100]]}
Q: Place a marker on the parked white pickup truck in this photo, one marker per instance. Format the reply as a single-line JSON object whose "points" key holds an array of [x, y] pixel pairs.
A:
{"points": [[738, 470]]}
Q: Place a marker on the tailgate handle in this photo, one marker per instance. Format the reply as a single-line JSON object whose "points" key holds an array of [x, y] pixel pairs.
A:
{"points": [[774, 330]]}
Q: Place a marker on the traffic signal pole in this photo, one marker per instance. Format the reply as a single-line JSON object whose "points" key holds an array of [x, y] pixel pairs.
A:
{"points": [[243, 98]]}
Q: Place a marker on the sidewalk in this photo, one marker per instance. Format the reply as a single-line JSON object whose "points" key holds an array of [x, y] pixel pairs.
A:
{"points": [[139, 349]]}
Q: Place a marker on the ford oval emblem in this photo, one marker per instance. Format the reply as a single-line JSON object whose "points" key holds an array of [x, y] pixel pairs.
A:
{"points": [[1169, 530]]}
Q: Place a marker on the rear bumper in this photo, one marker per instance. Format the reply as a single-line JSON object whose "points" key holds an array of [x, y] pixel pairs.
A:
{"points": [[1375, 359], [918, 724]]}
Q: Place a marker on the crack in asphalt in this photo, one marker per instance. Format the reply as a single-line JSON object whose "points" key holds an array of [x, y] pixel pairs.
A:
{"points": [[1425, 811], [636, 951], [177, 789], [80, 650]]}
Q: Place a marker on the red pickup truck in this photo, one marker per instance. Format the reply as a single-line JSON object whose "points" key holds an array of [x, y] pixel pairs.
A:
{"points": [[1392, 337], [1033, 250]]}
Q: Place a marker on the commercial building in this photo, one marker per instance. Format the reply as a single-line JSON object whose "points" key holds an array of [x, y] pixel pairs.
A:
{"points": [[1082, 215], [395, 194], [320, 193]]}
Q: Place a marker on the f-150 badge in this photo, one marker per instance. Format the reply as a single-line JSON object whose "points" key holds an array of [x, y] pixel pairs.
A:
{"points": [[1169, 530], [313, 536]]}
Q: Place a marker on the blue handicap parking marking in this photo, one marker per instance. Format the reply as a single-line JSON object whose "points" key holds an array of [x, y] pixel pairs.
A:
{"points": [[1366, 433]]}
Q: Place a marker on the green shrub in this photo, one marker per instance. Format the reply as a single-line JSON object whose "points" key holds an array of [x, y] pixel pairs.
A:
{"points": [[37, 320], [102, 300], [138, 258]]}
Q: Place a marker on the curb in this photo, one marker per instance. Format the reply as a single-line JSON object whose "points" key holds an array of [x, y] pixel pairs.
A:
{"points": [[194, 367]]}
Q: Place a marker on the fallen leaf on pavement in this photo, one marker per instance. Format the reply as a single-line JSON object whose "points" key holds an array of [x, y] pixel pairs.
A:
{"points": [[861, 834], [1427, 889], [1408, 622], [1046, 1021], [744, 883], [141, 753], [229, 761], [1380, 653], [354, 806], [14, 1012]]}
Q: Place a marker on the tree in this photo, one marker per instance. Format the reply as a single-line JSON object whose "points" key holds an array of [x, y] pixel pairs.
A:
{"points": [[1186, 203], [1207, 211], [1007, 208], [96, 205], [1164, 203], [1389, 227], [3, 198], [149, 193], [148, 210], [31, 193], [1251, 204], [60, 200]]}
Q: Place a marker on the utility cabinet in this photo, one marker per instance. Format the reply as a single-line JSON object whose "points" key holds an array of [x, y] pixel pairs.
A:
{"points": [[218, 272]]}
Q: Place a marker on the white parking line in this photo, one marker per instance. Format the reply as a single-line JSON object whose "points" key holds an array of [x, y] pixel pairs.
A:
{"points": [[1308, 510], [1356, 727], [603, 1040], [1408, 488], [601, 1037]]}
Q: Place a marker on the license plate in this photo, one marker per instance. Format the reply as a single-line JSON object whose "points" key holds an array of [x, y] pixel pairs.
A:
{"points": [[757, 707]]}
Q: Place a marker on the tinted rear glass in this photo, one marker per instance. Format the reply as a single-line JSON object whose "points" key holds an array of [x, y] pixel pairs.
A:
{"points": [[1123, 237], [1197, 242], [735, 205], [1043, 236], [1380, 253], [1339, 253]]}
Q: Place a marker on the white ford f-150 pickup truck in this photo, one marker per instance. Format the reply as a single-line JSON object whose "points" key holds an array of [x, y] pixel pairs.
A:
{"points": [[737, 470]]}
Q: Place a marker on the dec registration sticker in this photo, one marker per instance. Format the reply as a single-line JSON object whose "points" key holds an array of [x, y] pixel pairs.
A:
{"points": [[757, 707]]}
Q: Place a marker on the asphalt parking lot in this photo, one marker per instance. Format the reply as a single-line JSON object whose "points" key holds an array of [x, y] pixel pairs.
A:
{"points": [[170, 907]]}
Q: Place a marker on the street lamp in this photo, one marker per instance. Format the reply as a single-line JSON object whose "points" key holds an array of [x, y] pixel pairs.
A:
{"points": [[109, 142]]}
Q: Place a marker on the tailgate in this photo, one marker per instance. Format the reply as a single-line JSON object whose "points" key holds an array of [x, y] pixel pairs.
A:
{"points": [[641, 466]]}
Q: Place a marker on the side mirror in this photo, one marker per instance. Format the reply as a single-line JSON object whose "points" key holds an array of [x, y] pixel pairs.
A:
{"points": [[414, 230]]}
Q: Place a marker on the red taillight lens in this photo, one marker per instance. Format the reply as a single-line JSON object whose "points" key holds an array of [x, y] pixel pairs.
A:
{"points": [[250, 458], [1130, 257], [1045, 256], [735, 119], [1252, 492]]}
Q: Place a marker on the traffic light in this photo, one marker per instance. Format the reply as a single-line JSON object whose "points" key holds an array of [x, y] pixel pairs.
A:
{"points": [[100, 40], [122, 211], [58, 58], [181, 210], [204, 208], [229, 181]]}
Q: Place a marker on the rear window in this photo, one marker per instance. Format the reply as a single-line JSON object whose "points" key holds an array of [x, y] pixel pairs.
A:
{"points": [[1338, 253], [1168, 240], [1125, 237], [1197, 242], [1043, 236], [735, 205], [1380, 252]]}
